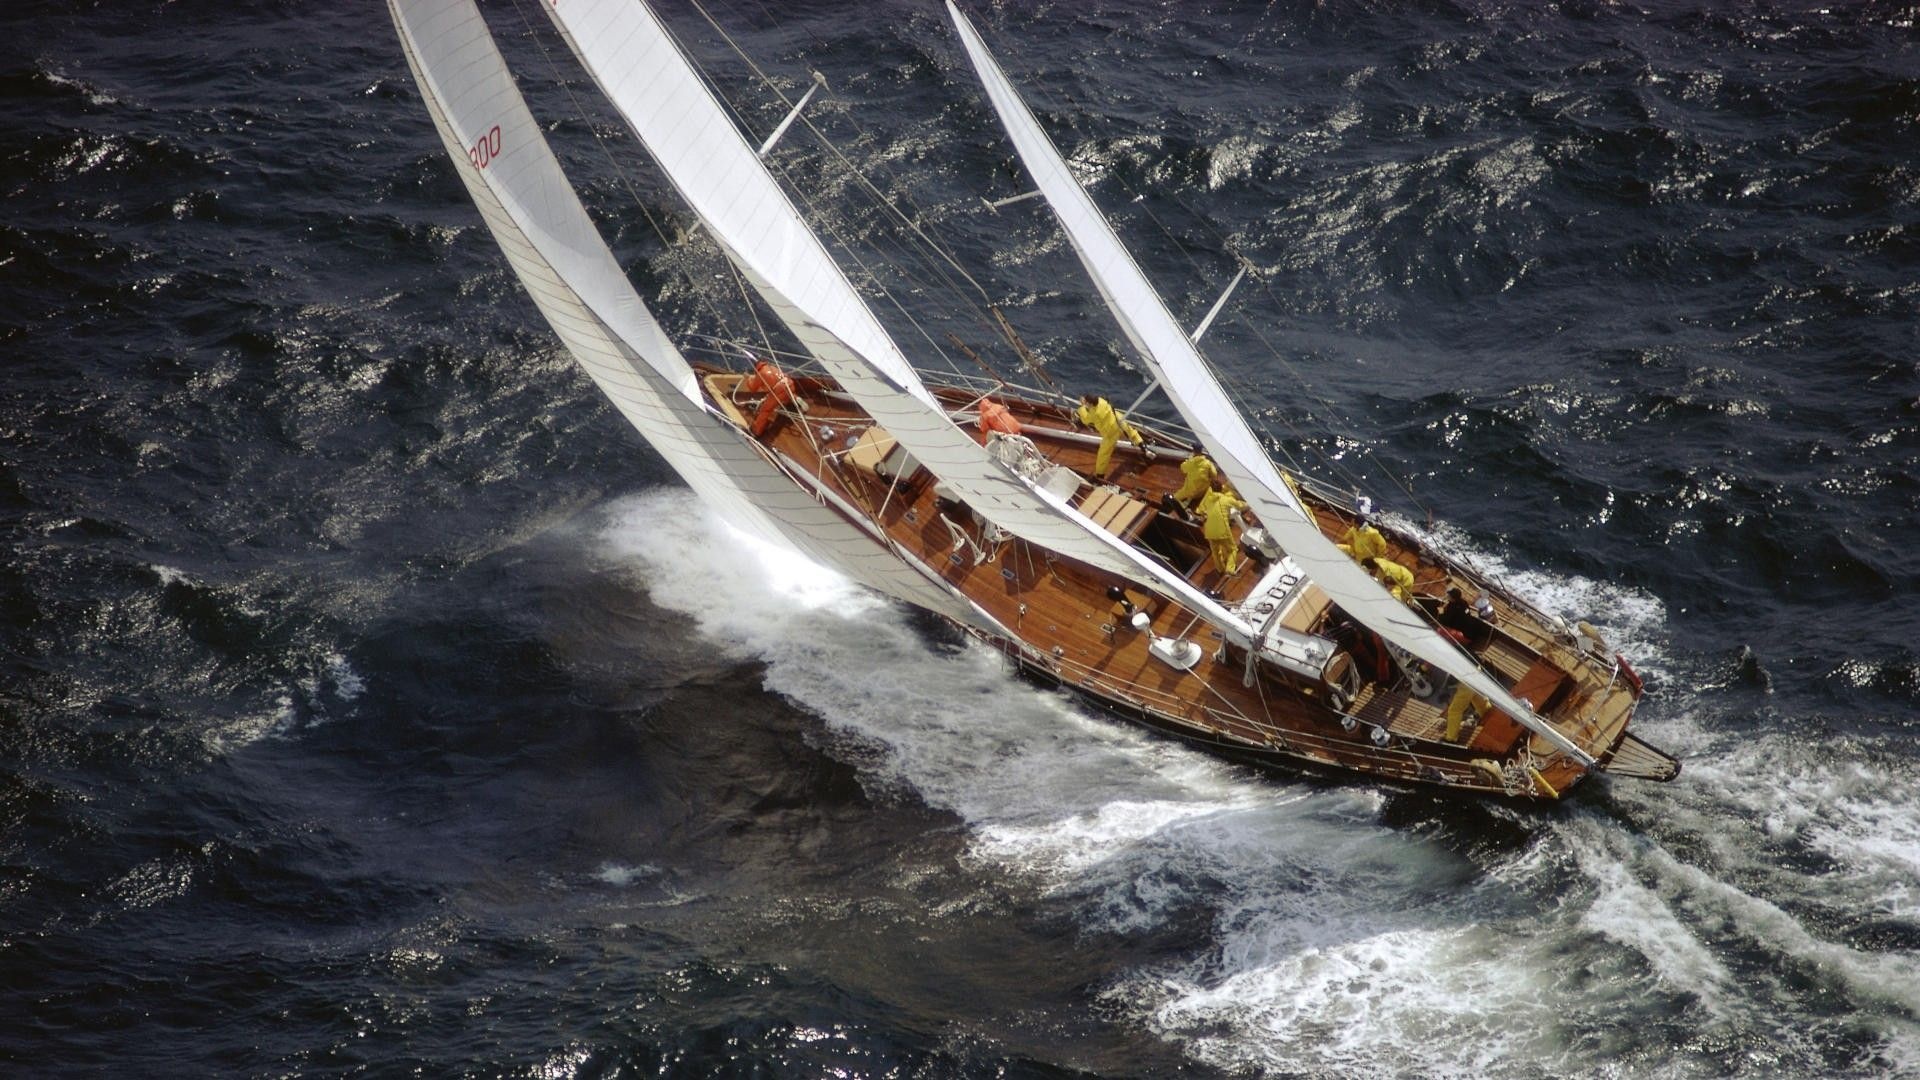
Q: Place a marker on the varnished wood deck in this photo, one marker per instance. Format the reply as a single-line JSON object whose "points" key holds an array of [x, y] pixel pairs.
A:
{"points": [[1061, 622]]}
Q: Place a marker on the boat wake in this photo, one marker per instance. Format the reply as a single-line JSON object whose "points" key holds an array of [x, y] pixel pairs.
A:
{"points": [[953, 723], [1335, 942]]}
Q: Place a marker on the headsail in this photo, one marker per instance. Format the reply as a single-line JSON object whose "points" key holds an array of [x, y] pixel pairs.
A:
{"points": [[1176, 362], [627, 50], [515, 181]]}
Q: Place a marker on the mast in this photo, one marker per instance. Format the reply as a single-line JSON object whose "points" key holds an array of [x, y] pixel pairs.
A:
{"points": [[627, 50], [1180, 369], [532, 211]]}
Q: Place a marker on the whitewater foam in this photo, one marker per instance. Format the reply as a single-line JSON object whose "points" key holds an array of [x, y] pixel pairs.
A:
{"points": [[1049, 788], [94, 95], [1328, 980], [346, 682], [1338, 945], [1848, 805], [170, 576], [620, 876], [1129, 827], [1634, 916], [275, 719], [1633, 620]]}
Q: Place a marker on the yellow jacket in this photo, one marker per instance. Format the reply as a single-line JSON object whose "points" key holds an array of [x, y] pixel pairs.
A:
{"points": [[1398, 579], [1215, 506], [1364, 542], [1106, 420], [1199, 470]]}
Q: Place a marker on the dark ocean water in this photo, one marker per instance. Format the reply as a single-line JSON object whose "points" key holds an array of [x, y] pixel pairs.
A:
{"points": [[371, 700]]}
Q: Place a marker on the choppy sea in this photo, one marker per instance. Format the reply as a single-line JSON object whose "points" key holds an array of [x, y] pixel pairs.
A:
{"points": [[372, 701]]}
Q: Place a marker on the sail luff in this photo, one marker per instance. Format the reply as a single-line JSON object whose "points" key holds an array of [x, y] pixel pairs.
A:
{"points": [[628, 52], [1192, 387], [626, 49], [526, 203]]}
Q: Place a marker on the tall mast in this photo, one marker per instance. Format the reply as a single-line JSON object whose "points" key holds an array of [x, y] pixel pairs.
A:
{"points": [[1189, 382], [629, 53], [515, 181]]}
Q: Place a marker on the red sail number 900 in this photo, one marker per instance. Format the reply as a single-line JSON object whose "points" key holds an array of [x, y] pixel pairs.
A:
{"points": [[485, 148]]}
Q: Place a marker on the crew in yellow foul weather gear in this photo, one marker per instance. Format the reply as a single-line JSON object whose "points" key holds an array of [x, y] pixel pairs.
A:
{"points": [[1463, 698], [1398, 579], [1363, 542], [1199, 472], [1099, 414], [1217, 506]]}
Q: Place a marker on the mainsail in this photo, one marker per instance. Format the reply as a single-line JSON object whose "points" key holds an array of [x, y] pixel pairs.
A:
{"points": [[533, 212], [1190, 384], [655, 87]]}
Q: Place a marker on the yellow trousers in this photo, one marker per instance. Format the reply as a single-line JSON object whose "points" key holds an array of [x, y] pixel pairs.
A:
{"points": [[1110, 440], [1463, 697], [1226, 554], [1105, 457], [1191, 491]]}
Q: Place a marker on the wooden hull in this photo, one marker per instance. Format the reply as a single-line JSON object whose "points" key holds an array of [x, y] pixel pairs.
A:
{"points": [[1070, 625]]}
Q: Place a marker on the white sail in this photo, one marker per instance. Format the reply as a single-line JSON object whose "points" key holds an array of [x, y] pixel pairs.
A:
{"points": [[643, 73], [1190, 384], [533, 212]]}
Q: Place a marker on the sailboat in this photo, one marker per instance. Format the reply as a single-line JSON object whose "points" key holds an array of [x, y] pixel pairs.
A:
{"points": [[987, 503]]}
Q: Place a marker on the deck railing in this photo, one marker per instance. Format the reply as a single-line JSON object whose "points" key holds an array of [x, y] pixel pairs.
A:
{"points": [[1395, 759]]}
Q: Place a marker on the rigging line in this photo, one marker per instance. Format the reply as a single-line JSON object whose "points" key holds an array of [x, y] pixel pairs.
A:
{"points": [[823, 219], [699, 292], [1205, 223], [820, 220], [726, 345], [1229, 380], [937, 260], [799, 420], [1304, 385], [1207, 685], [1365, 445], [905, 254], [1034, 93], [701, 7], [740, 288]]}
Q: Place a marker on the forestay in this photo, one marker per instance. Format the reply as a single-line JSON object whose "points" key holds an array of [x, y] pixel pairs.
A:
{"points": [[1190, 384], [522, 194], [655, 87]]}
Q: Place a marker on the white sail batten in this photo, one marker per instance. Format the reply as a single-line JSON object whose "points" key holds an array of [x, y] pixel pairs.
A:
{"points": [[560, 258], [1190, 384], [656, 88]]}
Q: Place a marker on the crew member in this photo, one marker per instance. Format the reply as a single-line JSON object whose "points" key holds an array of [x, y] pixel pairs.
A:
{"points": [[1363, 541], [773, 382], [1099, 414], [1460, 622], [1199, 472], [1463, 699], [996, 417], [1398, 579], [1217, 506]]}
